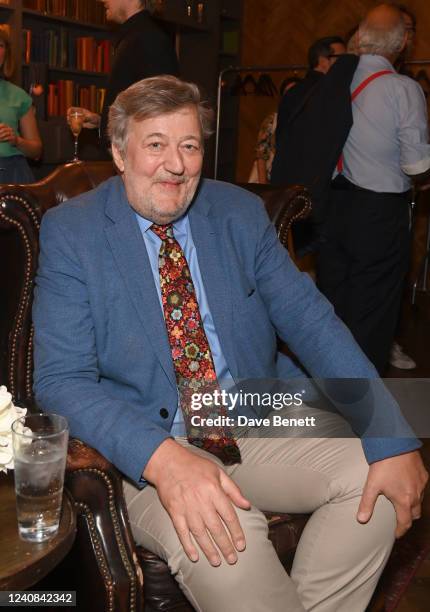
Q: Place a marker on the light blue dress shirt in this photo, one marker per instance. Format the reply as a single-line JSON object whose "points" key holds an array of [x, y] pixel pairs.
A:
{"points": [[182, 233], [389, 137]]}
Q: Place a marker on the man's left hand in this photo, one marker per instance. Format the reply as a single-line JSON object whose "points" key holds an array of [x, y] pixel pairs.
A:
{"points": [[402, 480]]}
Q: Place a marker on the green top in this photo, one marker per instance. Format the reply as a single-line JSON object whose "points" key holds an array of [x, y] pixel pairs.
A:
{"points": [[14, 103]]}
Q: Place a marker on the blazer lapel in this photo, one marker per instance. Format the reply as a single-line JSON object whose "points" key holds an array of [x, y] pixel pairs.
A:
{"points": [[215, 275], [128, 248]]}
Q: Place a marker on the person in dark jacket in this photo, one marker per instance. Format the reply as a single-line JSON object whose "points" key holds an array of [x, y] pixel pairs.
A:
{"points": [[314, 120], [141, 49], [322, 55]]}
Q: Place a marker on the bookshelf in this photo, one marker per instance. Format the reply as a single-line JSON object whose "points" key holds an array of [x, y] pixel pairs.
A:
{"points": [[72, 40], [56, 42], [65, 46], [63, 19], [205, 51]]}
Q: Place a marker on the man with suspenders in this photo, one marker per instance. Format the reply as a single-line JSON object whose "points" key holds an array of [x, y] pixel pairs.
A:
{"points": [[364, 258]]}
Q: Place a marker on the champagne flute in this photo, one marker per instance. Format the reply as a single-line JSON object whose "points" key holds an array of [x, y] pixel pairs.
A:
{"points": [[76, 121]]}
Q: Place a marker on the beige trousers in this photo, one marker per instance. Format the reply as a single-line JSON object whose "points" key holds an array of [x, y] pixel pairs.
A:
{"points": [[338, 561]]}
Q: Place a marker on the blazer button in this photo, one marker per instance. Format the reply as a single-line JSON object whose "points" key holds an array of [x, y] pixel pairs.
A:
{"points": [[164, 413]]}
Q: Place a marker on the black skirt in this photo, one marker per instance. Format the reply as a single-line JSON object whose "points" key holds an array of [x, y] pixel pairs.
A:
{"points": [[15, 170]]}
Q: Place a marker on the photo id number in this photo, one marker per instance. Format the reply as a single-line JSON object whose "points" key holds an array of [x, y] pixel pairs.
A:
{"points": [[37, 598]]}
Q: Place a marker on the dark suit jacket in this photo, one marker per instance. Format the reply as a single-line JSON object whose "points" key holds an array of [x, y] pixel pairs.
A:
{"points": [[314, 120], [295, 99], [142, 49]]}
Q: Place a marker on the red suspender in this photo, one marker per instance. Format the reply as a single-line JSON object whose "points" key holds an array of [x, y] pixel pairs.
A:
{"points": [[355, 93], [366, 82]]}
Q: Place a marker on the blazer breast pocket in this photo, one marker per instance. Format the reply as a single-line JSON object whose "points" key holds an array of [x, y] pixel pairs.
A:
{"points": [[249, 299], [244, 290]]}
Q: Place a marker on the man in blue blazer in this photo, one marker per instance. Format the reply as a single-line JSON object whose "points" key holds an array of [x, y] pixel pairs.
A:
{"points": [[103, 358]]}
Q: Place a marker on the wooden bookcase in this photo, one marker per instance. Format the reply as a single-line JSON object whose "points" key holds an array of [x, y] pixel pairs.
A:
{"points": [[207, 38], [203, 54], [44, 45]]}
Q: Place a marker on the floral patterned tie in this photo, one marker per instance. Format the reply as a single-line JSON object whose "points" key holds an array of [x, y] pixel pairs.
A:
{"points": [[191, 353]]}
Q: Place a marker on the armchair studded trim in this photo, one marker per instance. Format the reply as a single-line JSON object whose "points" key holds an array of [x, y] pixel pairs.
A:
{"points": [[300, 208], [17, 214], [284, 205]]}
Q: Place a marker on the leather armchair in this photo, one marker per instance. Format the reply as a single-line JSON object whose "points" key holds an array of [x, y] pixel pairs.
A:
{"points": [[114, 574], [21, 211]]}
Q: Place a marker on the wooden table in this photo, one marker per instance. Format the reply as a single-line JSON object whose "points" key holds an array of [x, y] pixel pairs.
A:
{"points": [[22, 564]]}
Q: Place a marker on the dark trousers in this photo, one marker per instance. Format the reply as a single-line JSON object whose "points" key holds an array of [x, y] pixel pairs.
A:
{"points": [[363, 261]]}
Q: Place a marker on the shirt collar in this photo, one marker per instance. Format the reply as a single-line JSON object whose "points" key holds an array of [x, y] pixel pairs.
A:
{"points": [[179, 226], [375, 61]]}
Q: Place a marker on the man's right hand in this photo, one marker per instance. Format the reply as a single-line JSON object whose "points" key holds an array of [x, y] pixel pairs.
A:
{"points": [[199, 498], [91, 120]]}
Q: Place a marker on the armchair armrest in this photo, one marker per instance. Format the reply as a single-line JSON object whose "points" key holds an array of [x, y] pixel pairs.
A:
{"points": [[110, 574], [284, 205]]}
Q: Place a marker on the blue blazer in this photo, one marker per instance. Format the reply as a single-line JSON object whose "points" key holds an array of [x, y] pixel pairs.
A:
{"points": [[102, 356]]}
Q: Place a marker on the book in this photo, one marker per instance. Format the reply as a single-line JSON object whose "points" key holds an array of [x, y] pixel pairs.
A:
{"points": [[60, 48], [65, 92], [89, 11]]}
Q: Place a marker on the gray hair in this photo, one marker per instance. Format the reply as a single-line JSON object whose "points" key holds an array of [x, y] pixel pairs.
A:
{"points": [[153, 97], [381, 41]]}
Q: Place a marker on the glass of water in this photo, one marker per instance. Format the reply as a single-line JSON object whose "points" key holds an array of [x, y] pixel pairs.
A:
{"points": [[40, 452]]}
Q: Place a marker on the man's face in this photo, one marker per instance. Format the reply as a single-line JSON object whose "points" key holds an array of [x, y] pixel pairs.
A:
{"points": [[116, 10], [162, 164], [336, 49], [325, 63]]}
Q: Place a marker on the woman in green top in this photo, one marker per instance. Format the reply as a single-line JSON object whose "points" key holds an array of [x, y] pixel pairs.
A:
{"points": [[19, 136]]}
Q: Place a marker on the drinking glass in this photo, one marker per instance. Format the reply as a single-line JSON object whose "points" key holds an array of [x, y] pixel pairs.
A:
{"points": [[76, 121], [40, 451]]}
